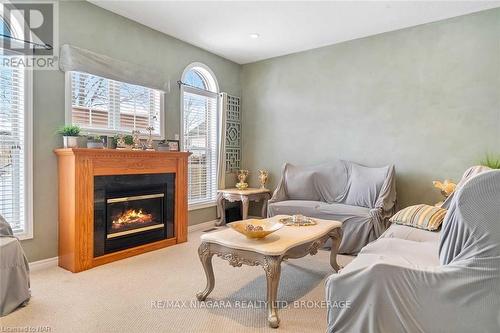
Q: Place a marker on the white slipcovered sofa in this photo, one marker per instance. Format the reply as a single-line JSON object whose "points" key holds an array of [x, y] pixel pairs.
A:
{"points": [[362, 198], [413, 280]]}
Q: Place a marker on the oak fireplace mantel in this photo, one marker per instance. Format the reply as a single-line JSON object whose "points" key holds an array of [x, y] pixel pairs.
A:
{"points": [[77, 169]]}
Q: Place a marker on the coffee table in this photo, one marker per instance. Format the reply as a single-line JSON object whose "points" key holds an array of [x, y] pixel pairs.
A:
{"points": [[288, 242]]}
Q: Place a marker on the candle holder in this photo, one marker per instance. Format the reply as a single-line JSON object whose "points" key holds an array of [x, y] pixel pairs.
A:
{"points": [[149, 142]]}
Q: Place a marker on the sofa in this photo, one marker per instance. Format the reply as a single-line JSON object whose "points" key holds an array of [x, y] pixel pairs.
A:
{"points": [[362, 198], [413, 280]]}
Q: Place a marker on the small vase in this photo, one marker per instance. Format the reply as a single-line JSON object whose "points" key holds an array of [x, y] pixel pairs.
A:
{"points": [[242, 177], [263, 175], [70, 141]]}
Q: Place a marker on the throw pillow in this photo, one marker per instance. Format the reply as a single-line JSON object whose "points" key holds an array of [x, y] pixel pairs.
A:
{"points": [[420, 216]]}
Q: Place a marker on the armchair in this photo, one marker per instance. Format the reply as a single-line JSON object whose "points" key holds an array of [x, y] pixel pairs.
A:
{"points": [[14, 271]]}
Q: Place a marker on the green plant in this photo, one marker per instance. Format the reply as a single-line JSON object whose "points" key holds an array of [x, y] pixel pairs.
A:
{"points": [[69, 130], [94, 138], [128, 139], [491, 161]]}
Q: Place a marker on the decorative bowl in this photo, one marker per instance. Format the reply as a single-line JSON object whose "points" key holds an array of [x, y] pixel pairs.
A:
{"points": [[254, 228]]}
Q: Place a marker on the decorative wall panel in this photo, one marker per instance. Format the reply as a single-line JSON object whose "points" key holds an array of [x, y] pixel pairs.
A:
{"points": [[232, 108]]}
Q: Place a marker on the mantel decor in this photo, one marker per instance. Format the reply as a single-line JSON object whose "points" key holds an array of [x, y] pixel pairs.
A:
{"points": [[80, 168]]}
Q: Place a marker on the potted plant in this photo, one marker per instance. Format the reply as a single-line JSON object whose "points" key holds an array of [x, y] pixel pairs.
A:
{"points": [[121, 141], [95, 142], [70, 134], [491, 161]]}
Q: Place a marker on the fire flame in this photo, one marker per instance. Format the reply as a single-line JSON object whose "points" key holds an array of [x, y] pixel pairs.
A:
{"points": [[132, 216]]}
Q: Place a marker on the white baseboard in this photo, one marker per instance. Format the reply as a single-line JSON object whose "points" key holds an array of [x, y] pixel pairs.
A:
{"points": [[43, 264], [202, 226], [52, 262]]}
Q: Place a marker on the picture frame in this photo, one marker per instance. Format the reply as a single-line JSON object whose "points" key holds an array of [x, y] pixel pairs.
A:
{"points": [[173, 145]]}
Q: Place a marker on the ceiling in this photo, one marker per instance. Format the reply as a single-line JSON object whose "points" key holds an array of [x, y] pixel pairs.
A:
{"points": [[224, 27]]}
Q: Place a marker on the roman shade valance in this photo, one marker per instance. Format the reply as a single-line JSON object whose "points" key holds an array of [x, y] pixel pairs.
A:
{"points": [[73, 58]]}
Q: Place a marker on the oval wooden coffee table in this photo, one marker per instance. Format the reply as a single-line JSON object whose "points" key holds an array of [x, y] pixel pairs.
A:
{"points": [[288, 242]]}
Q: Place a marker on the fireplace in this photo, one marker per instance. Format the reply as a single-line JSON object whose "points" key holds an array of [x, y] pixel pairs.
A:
{"points": [[130, 215], [132, 210]]}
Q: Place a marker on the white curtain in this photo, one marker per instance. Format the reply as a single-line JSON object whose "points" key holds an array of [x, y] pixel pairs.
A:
{"points": [[221, 162]]}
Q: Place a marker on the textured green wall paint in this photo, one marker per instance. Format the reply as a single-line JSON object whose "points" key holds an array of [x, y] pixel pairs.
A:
{"points": [[426, 99], [85, 25]]}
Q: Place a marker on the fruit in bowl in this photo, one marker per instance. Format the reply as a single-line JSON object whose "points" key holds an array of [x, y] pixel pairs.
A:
{"points": [[254, 228]]}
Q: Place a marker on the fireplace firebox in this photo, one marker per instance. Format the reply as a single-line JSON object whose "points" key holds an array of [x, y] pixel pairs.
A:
{"points": [[131, 210]]}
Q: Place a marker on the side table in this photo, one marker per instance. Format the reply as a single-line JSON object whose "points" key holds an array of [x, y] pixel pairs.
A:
{"points": [[245, 196]]}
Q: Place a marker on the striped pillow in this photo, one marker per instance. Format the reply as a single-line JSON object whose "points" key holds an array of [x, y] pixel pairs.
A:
{"points": [[420, 216]]}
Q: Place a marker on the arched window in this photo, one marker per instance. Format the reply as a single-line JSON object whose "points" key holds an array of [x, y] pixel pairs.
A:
{"points": [[5, 30], [199, 106], [15, 137]]}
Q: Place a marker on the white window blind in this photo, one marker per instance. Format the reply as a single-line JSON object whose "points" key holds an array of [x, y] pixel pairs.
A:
{"points": [[200, 138], [13, 163], [105, 106]]}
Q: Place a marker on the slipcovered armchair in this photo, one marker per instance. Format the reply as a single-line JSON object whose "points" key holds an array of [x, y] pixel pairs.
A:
{"points": [[14, 271], [453, 286], [362, 198]]}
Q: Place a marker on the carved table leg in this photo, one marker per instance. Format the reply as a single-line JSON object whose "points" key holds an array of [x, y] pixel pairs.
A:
{"points": [[336, 236], [272, 267], [264, 206], [244, 207], [206, 260], [221, 210]]}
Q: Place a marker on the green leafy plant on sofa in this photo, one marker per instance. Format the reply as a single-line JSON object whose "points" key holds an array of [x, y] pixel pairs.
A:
{"points": [[491, 161]]}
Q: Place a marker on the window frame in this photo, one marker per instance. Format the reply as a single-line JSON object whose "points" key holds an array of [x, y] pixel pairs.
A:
{"points": [[28, 227], [68, 114], [207, 93]]}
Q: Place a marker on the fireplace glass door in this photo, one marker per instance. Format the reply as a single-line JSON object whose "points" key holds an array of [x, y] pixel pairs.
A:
{"points": [[134, 214]]}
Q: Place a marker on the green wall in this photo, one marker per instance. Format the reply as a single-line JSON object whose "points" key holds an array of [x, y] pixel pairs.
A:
{"points": [[85, 25], [426, 99]]}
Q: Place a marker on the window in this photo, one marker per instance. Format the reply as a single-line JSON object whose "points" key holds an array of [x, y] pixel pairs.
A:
{"points": [[104, 106], [15, 146], [199, 103]]}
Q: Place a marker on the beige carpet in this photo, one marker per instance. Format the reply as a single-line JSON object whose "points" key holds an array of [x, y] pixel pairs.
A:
{"points": [[155, 292]]}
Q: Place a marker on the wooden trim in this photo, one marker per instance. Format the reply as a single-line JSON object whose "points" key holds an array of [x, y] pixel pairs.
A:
{"points": [[67, 226], [77, 168], [110, 257]]}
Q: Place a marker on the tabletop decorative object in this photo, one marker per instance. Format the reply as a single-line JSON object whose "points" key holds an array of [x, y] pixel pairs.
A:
{"points": [[137, 141], [263, 176], [298, 220], [447, 187], [121, 142], [242, 177], [255, 228], [149, 142]]}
